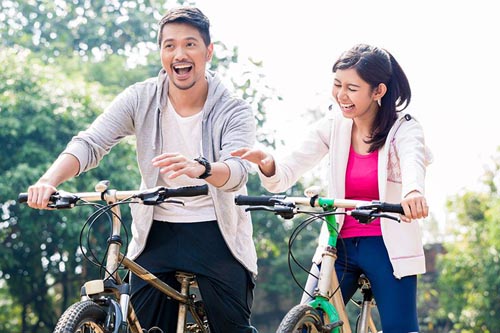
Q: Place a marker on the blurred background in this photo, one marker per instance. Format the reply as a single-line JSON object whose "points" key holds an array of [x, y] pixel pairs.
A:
{"points": [[62, 62]]}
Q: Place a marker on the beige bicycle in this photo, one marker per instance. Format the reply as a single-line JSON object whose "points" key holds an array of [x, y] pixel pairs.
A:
{"points": [[105, 305], [326, 312]]}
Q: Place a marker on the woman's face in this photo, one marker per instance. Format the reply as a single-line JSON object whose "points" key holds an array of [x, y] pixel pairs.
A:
{"points": [[355, 96]]}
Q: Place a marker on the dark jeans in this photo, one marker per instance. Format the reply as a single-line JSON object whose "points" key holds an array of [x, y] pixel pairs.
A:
{"points": [[396, 298], [226, 287]]}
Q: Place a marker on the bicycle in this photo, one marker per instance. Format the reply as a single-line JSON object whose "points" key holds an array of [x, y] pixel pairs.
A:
{"points": [[105, 305], [326, 313]]}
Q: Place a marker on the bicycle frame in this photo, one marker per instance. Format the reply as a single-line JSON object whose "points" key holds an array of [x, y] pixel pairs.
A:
{"points": [[326, 312], [115, 258], [327, 296]]}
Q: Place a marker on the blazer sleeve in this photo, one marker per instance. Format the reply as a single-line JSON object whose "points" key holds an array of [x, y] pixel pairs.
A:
{"points": [[414, 156], [301, 159]]}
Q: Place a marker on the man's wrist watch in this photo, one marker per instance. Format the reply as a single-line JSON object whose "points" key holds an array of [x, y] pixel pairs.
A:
{"points": [[208, 168]]}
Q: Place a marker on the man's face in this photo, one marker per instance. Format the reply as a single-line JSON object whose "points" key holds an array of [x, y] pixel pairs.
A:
{"points": [[184, 55]]}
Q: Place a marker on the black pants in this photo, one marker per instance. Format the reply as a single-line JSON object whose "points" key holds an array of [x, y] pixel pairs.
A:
{"points": [[226, 287]]}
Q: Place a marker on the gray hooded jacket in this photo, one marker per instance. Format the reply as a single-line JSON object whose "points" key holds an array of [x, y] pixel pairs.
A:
{"points": [[228, 124]]}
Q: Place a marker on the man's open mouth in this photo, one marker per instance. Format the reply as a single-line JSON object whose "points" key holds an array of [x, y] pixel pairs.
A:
{"points": [[181, 69]]}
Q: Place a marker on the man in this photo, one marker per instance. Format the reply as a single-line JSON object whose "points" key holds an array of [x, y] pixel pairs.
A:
{"points": [[186, 124]]}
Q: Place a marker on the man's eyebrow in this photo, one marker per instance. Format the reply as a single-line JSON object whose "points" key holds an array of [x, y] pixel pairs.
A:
{"points": [[189, 38]]}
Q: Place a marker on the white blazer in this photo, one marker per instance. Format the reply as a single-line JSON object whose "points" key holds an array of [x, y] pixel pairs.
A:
{"points": [[401, 169]]}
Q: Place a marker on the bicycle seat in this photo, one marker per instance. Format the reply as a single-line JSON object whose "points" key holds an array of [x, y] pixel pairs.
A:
{"points": [[185, 276], [363, 282]]}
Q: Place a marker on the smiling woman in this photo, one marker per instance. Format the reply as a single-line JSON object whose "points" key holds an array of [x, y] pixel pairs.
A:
{"points": [[298, 50], [375, 153]]}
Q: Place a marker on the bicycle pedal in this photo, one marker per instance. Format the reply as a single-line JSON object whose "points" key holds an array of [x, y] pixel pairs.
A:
{"points": [[328, 327]]}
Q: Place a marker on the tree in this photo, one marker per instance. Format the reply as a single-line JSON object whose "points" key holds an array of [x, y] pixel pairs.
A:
{"points": [[41, 257], [468, 286], [91, 30]]}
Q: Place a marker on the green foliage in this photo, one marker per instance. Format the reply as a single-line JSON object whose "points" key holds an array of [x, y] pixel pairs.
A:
{"points": [[468, 286], [89, 29], [39, 114], [10, 311]]}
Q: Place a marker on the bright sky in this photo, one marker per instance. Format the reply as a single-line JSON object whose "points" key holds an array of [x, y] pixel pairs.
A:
{"points": [[450, 51]]}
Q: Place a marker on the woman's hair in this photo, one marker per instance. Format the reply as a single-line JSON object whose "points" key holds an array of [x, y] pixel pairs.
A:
{"points": [[376, 65], [188, 15]]}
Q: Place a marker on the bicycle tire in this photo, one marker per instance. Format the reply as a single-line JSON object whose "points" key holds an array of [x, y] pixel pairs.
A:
{"points": [[301, 318], [82, 317]]}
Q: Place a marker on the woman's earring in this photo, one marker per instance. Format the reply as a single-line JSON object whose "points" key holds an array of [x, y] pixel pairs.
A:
{"points": [[379, 102]]}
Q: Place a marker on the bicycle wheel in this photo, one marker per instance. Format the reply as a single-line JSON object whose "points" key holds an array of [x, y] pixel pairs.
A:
{"points": [[301, 318], [82, 317]]}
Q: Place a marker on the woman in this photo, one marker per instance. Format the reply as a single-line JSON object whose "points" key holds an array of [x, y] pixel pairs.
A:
{"points": [[375, 153]]}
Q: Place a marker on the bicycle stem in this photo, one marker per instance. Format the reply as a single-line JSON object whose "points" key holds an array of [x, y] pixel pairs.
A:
{"points": [[115, 240]]}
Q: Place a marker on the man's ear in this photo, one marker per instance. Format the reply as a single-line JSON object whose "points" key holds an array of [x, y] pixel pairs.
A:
{"points": [[379, 91], [210, 52]]}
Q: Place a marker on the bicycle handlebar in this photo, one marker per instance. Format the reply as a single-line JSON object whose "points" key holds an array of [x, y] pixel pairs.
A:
{"points": [[361, 210], [63, 199], [245, 200]]}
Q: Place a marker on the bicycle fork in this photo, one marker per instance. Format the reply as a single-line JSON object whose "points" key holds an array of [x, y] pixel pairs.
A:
{"points": [[327, 296]]}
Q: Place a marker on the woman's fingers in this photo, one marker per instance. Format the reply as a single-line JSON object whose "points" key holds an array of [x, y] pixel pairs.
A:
{"points": [[415, 207]]}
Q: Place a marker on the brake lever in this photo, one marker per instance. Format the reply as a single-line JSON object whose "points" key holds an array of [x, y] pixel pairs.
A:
{"points": [[63, 200], [391, 217], [150, 197], [286, 212], [171, 201], [365, 216]]}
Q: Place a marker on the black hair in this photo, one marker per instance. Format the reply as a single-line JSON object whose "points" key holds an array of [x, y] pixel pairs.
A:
{"points": [[376, 65], [188, 15]]}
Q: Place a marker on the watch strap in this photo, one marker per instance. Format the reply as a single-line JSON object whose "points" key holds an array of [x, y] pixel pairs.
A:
{"points": [[208, 168]]}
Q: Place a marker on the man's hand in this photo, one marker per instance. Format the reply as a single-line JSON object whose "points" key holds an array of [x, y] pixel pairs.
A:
{"points": [[39, 195], [178, 165]]}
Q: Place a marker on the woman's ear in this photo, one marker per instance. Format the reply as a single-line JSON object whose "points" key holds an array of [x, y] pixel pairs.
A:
{"points": [[379, 91]]}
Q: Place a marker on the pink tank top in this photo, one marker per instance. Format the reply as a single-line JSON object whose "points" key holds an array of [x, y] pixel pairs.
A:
{"points": [[361, 184]]}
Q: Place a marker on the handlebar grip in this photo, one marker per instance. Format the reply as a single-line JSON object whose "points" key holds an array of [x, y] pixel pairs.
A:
{"points": [[22, 198], [56, 200], [391, 208], [188, 191], [264, 200]]}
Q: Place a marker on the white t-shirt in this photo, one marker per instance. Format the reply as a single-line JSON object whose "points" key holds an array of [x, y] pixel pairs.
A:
{"points": [[183, 135]]}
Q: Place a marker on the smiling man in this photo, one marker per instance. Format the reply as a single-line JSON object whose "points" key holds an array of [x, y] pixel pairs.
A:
{"points": [[186, 124]]}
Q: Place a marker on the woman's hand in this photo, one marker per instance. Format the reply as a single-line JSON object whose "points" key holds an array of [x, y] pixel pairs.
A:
{"points": [[414, 206], [264, 160]]}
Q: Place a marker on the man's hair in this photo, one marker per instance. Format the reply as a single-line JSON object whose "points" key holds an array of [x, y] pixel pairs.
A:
{"points": [[188, 15]]}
